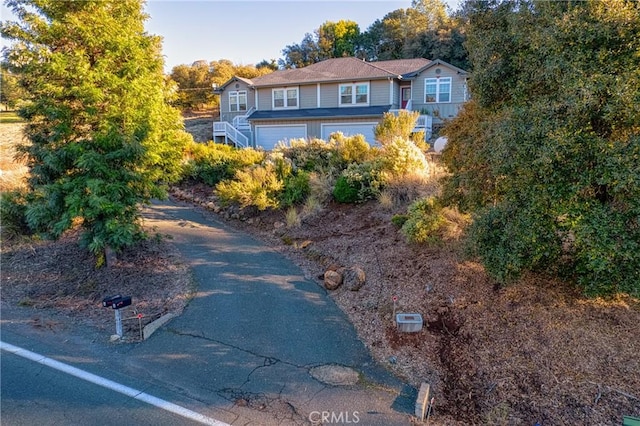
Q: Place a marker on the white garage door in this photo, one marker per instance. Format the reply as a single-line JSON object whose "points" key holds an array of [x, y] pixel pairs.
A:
{"points": [[350, 129], [268, 137]]}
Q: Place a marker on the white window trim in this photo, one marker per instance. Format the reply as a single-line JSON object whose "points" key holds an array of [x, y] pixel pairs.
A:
{"points": [[353, 94], [237, 104], [286, 100], [439, 81]]}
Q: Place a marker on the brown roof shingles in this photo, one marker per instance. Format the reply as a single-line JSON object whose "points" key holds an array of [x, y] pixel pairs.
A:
{"points": [[341, 69]]}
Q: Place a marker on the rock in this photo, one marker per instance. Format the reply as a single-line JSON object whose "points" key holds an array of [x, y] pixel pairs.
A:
{"points": [[278, 225], [332, 280], [354, 278]]}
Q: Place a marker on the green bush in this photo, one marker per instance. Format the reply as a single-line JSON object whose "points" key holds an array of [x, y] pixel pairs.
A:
{"points": [[308, 155], [257, 186], [212, 163], [424, 221], [399, 219], [13, 209], [296, 189], [345, 192], [359, 182]]}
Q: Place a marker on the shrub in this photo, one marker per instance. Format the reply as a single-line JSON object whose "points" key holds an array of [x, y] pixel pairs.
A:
{"points": [[13, 208], [359, 182], [321, 186], [311, 207], [257, 186], [309, 155], [349, 149], [396, 126], [212, 163], [400, 191], [424, 221], [399, 219], [401, 156], [344, 191], [296, 189], [292, 218]]}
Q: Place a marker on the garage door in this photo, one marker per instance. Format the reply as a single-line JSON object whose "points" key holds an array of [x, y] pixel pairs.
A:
{"points": [[350, 129], [268, 137]]}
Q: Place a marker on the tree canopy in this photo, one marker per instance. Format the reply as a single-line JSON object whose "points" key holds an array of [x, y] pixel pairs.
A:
{"points": [[547, 155], [195, 81], [102, 138]]}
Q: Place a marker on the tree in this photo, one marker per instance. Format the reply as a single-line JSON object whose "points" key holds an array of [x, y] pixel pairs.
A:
{"points": [[10, 91], [300, 55], [424, 30], [270, 64], [194, 89], [102, 136], [547, 156], [337, 39], [195, 81], [330, 40]]}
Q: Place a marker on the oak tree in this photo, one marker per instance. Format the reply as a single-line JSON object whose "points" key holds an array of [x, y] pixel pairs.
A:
{"points": [[547, 155]]}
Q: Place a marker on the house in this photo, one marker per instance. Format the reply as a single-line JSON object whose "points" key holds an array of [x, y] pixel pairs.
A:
{"points": [[340, 94]]}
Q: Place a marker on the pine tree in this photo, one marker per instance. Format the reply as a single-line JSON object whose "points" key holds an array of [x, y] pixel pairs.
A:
{"points": [[102, 138]]}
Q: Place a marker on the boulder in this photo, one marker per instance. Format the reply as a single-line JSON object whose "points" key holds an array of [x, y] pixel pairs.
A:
{"points": [[332, 280], [354, 278]]}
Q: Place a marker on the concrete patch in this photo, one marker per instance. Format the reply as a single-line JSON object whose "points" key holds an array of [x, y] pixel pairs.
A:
{"points": [[150, 328], [335, 375]]}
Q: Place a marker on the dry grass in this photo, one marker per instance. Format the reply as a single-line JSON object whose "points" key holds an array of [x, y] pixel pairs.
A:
{"points": [[12, 171]]}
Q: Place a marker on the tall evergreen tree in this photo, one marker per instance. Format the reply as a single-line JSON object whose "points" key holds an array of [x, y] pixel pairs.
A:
{"points": [[102, 138]]}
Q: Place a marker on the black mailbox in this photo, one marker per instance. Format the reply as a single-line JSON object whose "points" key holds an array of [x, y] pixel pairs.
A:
{"points": [[121, 302], [107, 301]]}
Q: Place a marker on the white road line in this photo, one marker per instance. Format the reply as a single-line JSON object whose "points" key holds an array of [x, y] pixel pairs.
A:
{"points": [[106, 383]]}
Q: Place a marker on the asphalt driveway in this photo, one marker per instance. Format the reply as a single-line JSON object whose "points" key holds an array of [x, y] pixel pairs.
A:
{"points": [[260, 343]]}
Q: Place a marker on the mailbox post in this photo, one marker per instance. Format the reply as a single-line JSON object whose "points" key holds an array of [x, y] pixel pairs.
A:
{"points": [[116, 302]]}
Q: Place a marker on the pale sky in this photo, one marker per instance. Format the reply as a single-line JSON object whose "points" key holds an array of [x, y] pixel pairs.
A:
{"points": [[246, 32]]}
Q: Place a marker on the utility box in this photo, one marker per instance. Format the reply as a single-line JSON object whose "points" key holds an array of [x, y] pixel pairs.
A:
{"points": [[409, 323]]}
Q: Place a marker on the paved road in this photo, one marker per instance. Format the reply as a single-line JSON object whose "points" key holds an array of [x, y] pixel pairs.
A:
{"points": [[244, 349]]}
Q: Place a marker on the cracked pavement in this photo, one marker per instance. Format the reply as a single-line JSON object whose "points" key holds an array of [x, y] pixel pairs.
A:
{"points": [[244, 345]]}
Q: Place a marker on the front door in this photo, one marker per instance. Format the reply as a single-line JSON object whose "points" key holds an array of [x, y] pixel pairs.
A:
{"points": [[406, 96]]}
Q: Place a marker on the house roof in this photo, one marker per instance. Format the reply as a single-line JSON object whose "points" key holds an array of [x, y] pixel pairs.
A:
{"points": [[342, 69], [335, 69], [308, 113], [402, 66]]}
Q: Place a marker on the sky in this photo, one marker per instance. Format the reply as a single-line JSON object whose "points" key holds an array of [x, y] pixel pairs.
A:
{"points": [[246, 32]]}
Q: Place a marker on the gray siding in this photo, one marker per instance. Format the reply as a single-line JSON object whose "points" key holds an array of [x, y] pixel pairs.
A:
{"points": [[440, 111], [379, 92], [264, 99], [225, 114], [308, 96], [329, 95]]}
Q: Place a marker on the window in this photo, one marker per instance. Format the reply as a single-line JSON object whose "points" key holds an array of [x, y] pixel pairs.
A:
{"points": [[285, 98], [437, 90], [354, 94], [238, 101]]}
